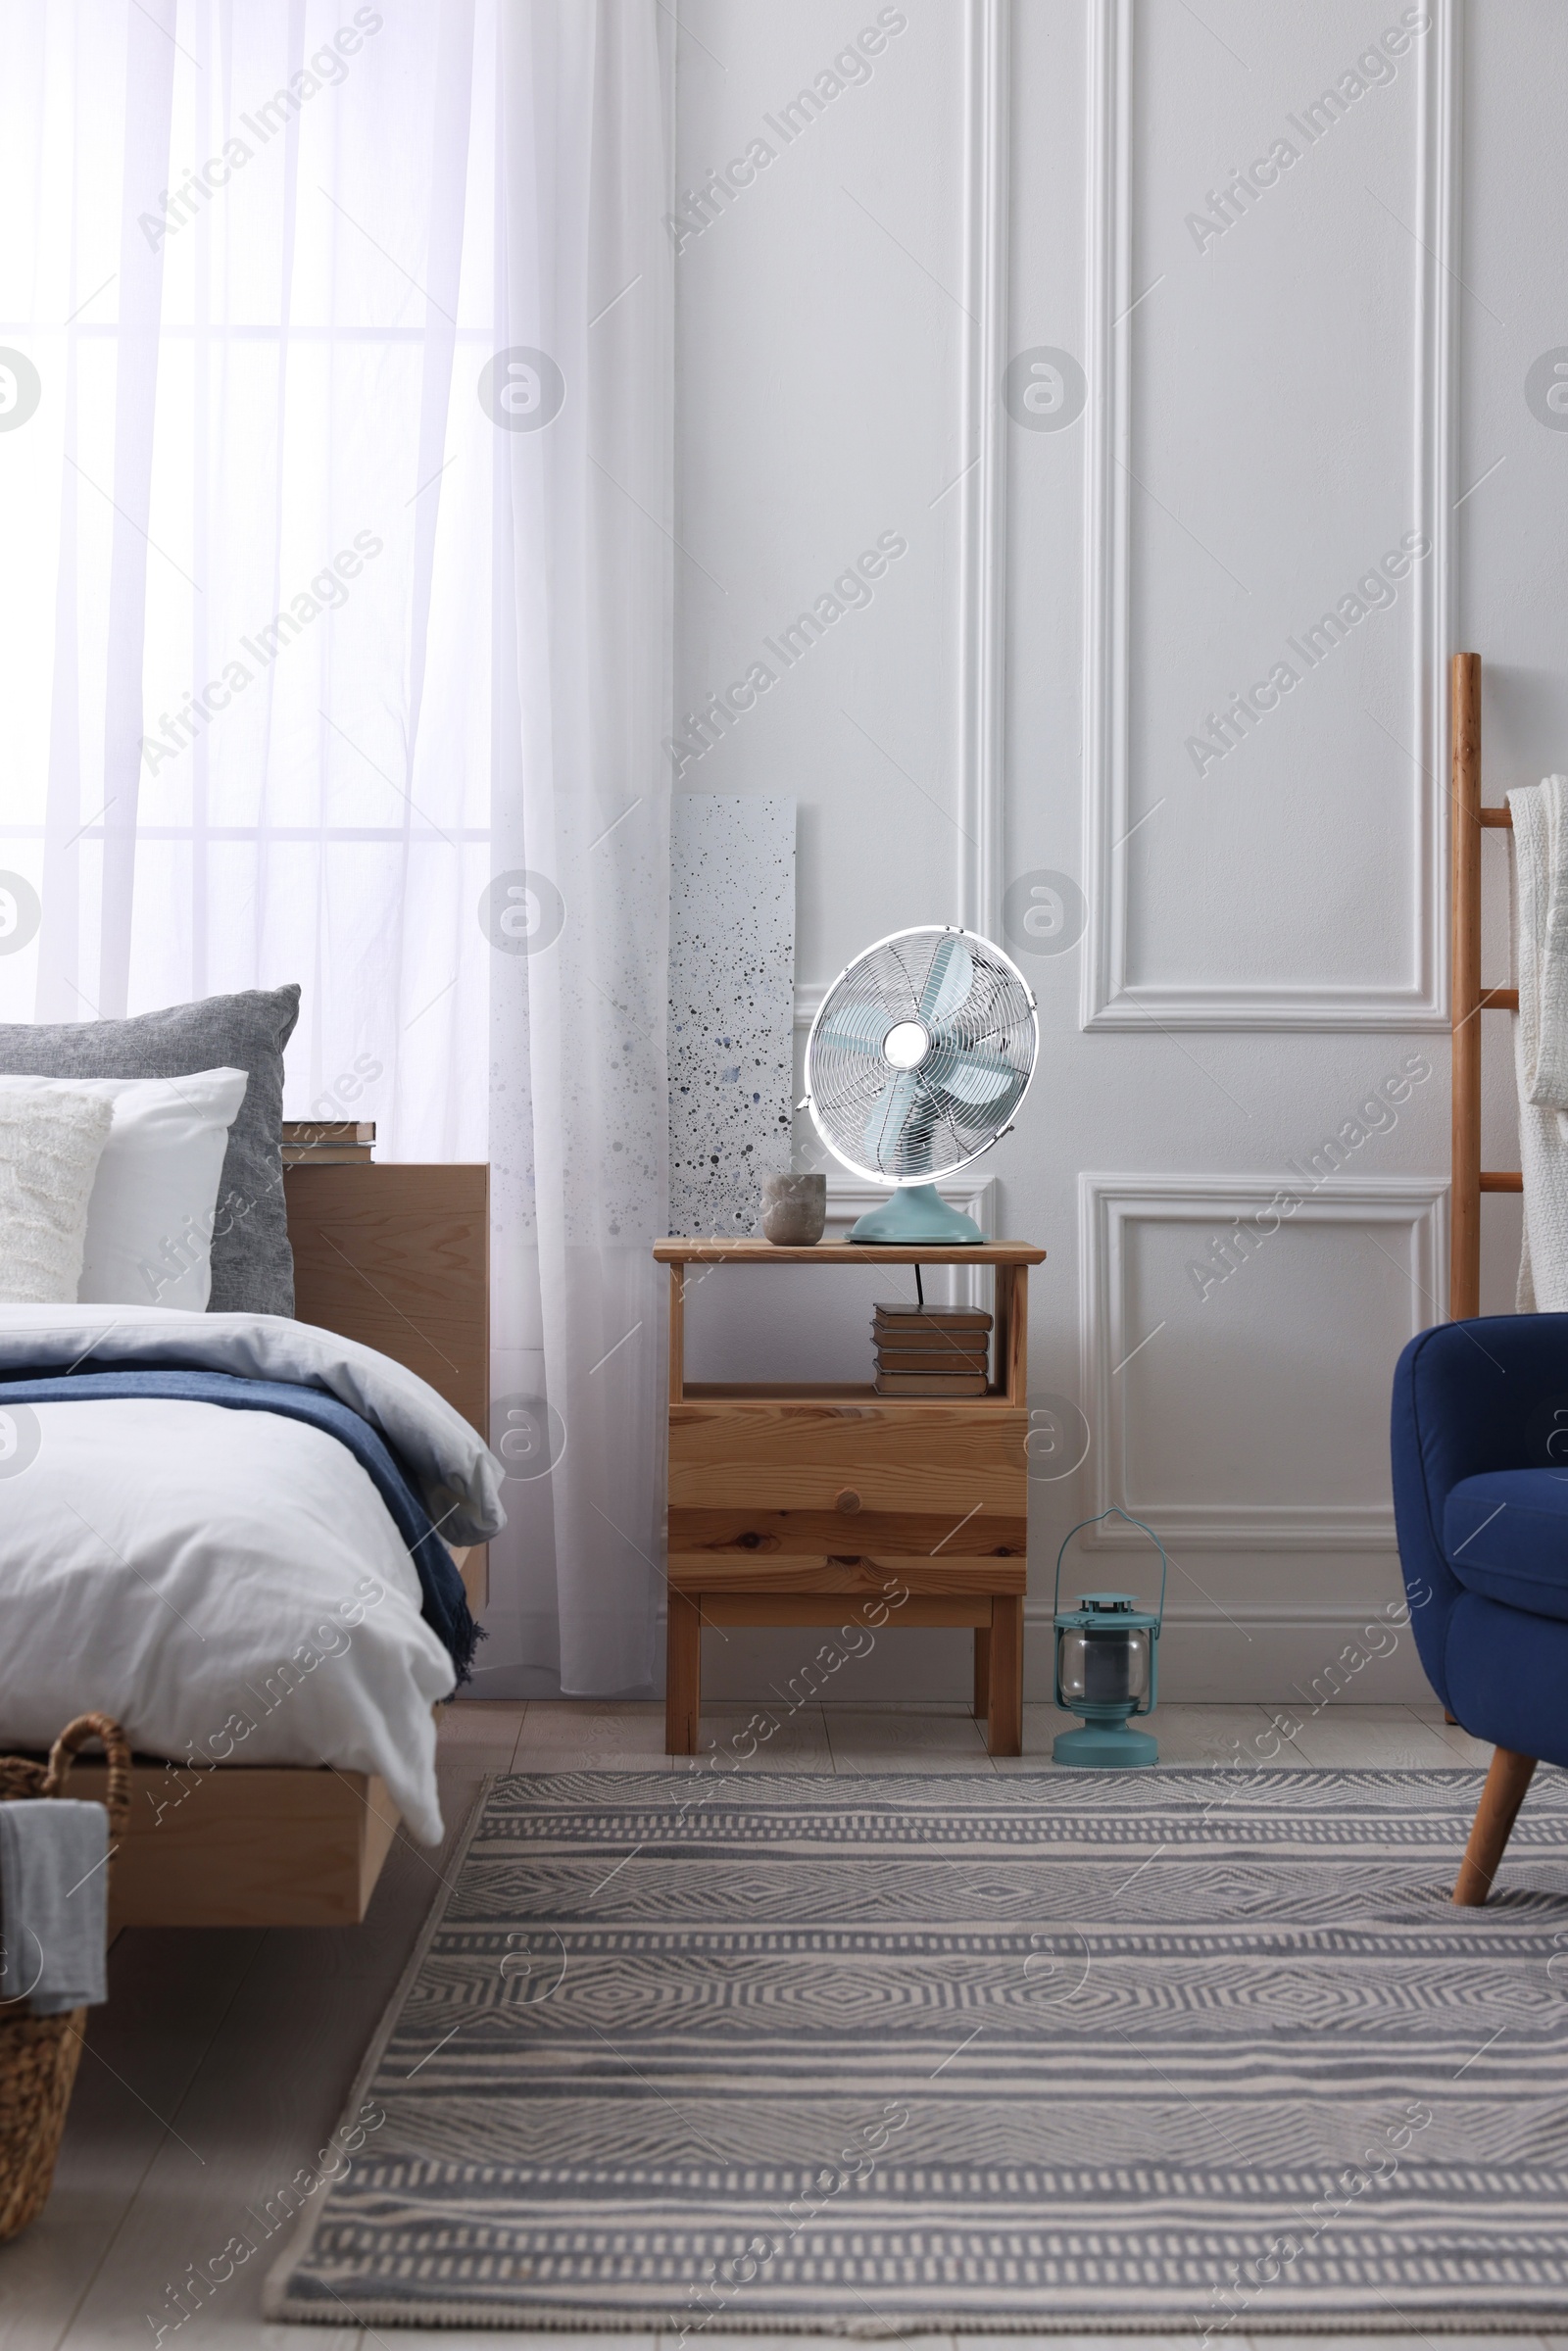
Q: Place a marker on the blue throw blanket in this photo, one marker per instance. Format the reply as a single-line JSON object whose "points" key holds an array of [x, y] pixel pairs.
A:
{"points": [[445, 1606]]}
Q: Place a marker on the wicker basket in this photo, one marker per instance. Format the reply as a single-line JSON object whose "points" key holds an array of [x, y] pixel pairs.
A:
{"points": [[39, 2054]]}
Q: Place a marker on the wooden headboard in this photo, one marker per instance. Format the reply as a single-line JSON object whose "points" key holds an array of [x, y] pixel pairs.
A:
{"points": [[398, 1256]]}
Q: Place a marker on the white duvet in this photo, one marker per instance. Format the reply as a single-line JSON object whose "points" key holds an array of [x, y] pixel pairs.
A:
{"points": [[229, 1585]]}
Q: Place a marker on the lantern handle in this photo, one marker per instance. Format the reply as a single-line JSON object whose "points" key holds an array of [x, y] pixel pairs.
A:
{"points": [[1116, 1511]]}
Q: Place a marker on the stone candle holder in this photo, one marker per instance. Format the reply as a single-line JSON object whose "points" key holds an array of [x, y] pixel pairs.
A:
{"points": [[794, 1210]]}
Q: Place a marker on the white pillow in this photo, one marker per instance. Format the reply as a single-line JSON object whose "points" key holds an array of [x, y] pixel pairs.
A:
{"points": [[51, 1144], [149, 1224]]}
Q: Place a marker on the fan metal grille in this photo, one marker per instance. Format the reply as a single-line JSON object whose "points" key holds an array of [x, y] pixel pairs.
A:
{"points": [[915, 1125]]}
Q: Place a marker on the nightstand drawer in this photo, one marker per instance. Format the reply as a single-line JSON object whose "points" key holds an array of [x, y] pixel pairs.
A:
{"points": [[942, 1460], [732, 1538]]}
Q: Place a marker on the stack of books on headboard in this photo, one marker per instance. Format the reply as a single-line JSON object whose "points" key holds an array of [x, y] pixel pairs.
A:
{"points": [[327, 1142], [931, 1351]]}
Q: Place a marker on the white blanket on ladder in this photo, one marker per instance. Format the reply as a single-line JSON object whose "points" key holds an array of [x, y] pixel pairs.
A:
{"points": [[1540, 866]]}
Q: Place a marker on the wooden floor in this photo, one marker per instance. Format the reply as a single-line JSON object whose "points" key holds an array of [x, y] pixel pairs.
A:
{"points": [[223, 2059]]}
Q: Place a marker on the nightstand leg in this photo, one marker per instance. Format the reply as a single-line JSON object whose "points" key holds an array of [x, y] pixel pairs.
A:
{"points": [[1007, 1675], [982, 1673], [683, 1674]]}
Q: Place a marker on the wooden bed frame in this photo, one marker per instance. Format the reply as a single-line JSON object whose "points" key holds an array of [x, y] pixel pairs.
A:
{"points": [[397, 1258]]}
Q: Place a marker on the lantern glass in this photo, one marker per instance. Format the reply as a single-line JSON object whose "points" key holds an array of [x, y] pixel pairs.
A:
{"points": [[1103, 1665]]}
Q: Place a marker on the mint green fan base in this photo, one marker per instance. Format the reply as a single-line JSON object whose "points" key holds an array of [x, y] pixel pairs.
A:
{"points": [[916, 1217]]}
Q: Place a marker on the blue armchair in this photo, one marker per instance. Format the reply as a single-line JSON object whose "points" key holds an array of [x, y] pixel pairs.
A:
{"points": [[1481, 1503]]}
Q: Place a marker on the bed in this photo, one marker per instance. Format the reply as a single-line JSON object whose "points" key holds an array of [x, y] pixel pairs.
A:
{"points": [[248, 1828]]}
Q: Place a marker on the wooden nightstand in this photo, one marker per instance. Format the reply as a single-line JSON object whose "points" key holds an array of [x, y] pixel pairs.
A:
{"points": [[799, 1503]]}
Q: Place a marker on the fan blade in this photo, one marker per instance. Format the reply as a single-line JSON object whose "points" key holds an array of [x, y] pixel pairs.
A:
{"points": [[953, 1051], [890, 1117], [970, 1079], [948, 982], [858, 1028]]}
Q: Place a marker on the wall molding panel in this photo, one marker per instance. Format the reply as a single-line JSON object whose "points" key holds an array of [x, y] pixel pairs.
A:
{"points": [[1409, 1212], [1110, 998], [980, 622], [982, 591]]}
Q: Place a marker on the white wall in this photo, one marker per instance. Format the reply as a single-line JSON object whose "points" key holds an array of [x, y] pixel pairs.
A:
{"points": [[1270, 411]]}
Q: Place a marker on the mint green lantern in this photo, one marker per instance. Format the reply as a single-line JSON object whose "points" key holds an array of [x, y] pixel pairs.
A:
{"points": [[1108, 1668]]}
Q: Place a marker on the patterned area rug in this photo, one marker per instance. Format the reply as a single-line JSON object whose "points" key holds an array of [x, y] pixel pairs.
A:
{"points": [[1205, 2050]]}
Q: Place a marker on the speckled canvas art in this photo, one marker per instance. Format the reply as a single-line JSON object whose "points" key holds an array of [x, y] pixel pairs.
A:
{"points": [[731, 1006]]}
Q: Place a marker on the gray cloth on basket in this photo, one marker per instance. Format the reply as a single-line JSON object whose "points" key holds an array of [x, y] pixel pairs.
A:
{"points": [[253, 1265], [54, 1903]]}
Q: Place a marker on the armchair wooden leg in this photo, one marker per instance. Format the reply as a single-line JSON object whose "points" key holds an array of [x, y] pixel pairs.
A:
{"points": [[1501, 1798], [982, 1672]]}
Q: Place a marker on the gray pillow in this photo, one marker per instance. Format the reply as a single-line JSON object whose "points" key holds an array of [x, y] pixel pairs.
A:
{"points": [[253, 1266]]}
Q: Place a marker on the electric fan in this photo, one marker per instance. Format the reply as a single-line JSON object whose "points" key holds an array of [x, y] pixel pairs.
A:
{"points": [[915, 1065]]}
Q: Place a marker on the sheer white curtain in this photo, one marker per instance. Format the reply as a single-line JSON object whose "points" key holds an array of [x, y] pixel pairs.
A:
{"points": [[335, 482]]}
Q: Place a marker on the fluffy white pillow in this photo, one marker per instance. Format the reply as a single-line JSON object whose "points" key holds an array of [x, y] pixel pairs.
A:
{"points": [[149, 1238], [51, 1142]]}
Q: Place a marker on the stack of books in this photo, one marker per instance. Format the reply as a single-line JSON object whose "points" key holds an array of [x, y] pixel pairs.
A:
{"points": [[327, 1142], [931, 1351]]}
